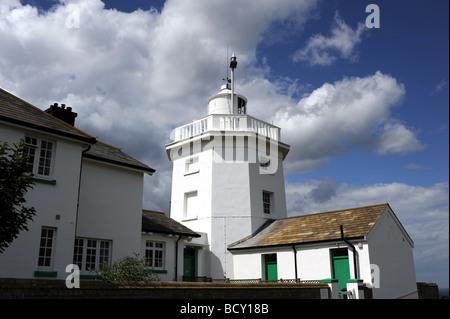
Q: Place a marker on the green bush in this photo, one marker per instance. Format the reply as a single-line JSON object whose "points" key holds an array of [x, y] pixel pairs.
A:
{"points": [[127, 269]]}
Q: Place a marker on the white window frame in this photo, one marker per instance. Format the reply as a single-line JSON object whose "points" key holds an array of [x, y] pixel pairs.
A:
{"points": [[155, 254], [192, 166], [267, 195], [188, 211], [90, 253], [47, 244], [42, 159]]}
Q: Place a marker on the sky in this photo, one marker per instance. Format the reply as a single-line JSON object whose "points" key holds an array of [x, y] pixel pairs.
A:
{"points": [[364, 106]]}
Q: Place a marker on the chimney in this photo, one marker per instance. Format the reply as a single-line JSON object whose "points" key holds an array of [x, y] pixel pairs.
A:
{"points": [[63, 113]]}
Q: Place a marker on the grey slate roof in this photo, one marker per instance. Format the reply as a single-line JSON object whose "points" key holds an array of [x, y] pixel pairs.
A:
{"points": [[19, 112], [113, 155], [158, 222]]}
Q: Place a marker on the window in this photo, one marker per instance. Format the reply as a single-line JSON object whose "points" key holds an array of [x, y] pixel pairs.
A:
{"points": [[241, 106], [267, 202], [91, 253], [190, 205], [40, 155], [192, 165], [46, 247], [154, 254]]}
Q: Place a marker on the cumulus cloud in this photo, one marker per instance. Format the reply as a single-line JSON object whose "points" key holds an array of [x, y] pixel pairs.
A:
{"points": [[133, 77], [325, 50], [396, 138], [337, 118]]}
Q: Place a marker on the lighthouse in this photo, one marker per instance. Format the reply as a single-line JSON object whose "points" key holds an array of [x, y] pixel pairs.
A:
{"points": [[227, 179]]}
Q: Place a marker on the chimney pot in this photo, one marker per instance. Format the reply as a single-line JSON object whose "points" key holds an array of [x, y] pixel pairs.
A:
{"points": [[62, 113]]}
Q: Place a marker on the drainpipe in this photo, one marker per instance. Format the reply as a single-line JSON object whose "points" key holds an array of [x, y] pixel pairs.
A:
{"points": [[79, 189], [353, 249], [295, 262], [176, 258]]}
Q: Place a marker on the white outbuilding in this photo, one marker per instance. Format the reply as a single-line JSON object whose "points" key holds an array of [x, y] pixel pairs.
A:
{"points": [[366, 245]]}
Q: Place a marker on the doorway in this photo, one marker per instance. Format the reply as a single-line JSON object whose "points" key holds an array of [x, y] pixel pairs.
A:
{"points": [[270, 270], [189, 266], [340, 266]]}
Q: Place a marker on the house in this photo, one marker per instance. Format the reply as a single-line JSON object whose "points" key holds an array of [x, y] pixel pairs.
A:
{"points": [[87, 194], [365, 243], [164, 245]]}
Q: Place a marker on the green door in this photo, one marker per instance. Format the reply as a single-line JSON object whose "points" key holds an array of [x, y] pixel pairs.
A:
{"points": [[341, 267], [271, 270], [189, 264], [270, 267]]}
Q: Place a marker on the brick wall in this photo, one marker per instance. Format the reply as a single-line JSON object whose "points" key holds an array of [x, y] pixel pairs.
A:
{"points": [[49, 289]]}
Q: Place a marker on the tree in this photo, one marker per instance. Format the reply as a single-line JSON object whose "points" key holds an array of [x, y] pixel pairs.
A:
{"points": [[126, 269], [15, 180]]}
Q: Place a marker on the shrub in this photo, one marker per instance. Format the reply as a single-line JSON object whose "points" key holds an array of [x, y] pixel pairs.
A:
{"points": [[127, 269]]}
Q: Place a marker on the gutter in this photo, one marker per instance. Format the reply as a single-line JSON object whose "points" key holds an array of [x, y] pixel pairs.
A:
{"points": [[294, 243]]}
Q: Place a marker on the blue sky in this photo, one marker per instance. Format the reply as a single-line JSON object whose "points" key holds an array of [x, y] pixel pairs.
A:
{"points": [[366, 111]]}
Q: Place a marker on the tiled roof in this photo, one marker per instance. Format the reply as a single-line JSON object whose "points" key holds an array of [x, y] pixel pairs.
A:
{"points": [[158, 222], [107, 153], [356, 222], [16, 111]]}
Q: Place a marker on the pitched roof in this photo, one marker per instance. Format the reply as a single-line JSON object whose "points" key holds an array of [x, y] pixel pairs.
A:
{"points": [[158, 222], [113, 155], [19, 112], [16, 111], [357, 223]]}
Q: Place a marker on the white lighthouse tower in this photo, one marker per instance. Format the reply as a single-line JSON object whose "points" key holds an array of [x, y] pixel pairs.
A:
{"points": [[227, 179]]}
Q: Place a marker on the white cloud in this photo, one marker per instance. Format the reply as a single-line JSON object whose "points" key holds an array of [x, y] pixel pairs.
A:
{"points": [[440, 86], [337, 118], [133, 77], [396, 138], [416, 166], [322, 50]]}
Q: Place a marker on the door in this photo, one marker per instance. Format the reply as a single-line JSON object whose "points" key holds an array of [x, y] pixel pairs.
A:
{"points": [[340, 266], [270, 267], [189, 264]]}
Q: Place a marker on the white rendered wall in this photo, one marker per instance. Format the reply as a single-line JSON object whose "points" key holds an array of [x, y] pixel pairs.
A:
{"points": [[229, 192], [111, 206], [391, 251], [55, 206]]}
